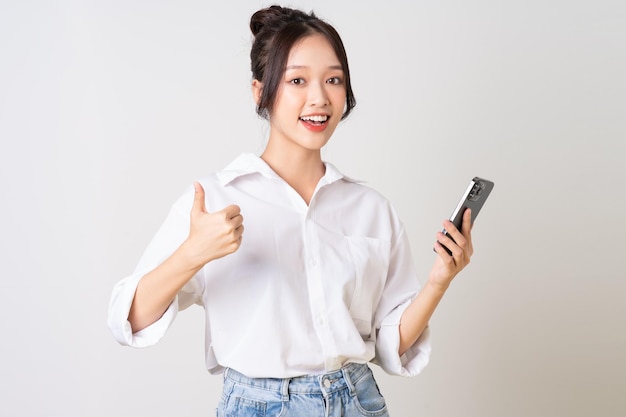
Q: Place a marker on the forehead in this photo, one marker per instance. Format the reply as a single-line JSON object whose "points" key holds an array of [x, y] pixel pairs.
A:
{"points": [[311, 50]]}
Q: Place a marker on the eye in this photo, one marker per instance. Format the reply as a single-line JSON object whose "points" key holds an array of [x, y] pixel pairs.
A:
{"points": [[335, 80], [297, 81]]}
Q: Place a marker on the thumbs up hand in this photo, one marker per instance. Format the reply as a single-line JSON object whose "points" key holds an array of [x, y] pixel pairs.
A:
{"points": [[212, 235]]}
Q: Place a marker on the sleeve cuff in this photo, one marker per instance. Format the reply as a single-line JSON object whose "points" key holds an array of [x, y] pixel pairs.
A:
{"points": [[118, 323], [413, 361]]}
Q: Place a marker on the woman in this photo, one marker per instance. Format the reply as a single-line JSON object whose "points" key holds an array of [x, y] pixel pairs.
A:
{"points": [[323, 281]]}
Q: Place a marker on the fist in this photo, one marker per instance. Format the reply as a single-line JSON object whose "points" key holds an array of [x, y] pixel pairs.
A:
{"points": [[213, 235]]}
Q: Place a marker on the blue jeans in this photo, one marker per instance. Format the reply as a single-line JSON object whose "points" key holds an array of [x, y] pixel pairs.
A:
{"points": [[349, 392]]}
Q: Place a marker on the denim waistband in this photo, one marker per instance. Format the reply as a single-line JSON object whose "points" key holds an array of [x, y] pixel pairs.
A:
{"points": [[324, 384]]}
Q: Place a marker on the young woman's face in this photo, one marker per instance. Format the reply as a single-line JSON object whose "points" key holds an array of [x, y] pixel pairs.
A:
{"points": [[312, 96]]}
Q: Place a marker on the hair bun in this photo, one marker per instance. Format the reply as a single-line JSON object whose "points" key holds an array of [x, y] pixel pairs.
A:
{"points": [[274, 16]]}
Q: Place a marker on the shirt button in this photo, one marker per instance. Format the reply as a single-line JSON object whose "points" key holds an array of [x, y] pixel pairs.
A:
{"points": [[327, 383], [312, 261]]}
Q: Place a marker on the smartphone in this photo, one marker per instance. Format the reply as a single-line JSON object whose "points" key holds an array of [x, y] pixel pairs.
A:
{"points": [[474, 197]]}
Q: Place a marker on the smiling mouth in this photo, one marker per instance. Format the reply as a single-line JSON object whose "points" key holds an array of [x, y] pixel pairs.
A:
{"points": [[315, 120]]}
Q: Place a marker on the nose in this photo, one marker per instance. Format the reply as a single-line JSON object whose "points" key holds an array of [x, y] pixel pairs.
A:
{"points": [[318, 96]]}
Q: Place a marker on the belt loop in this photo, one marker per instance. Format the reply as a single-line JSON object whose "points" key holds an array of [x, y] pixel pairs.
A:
{"points": [[284, 389], [346, 377]]}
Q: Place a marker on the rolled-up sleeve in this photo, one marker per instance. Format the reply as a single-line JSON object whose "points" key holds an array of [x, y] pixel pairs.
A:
{"points": [[414, 360], [119, 308], [170, 235], [400, 289]]}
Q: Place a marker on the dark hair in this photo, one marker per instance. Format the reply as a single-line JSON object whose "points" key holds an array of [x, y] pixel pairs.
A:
{"points": [[276, 30]]}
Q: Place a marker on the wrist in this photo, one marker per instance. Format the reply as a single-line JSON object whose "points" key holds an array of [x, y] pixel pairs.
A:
{"points": [[190, 258], [437, 286]]}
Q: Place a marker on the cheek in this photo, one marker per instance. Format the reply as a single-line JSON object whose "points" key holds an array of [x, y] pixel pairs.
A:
{"points": [[339, 99], [288, 102]]}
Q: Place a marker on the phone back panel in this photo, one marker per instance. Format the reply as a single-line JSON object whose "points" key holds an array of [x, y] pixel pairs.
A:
{"points": [[474, 197]]}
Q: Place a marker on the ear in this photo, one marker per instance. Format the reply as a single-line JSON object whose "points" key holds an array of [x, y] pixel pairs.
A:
{"points": [[257, 89]]}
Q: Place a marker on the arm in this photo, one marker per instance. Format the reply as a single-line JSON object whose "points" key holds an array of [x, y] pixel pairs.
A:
{"points": [[211, 236], [416, 316]]}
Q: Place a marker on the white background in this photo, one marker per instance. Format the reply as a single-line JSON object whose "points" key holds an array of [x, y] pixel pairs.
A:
{"points": [[109, 109]]}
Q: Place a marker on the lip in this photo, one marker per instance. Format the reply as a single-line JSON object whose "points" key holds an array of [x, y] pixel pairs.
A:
{"points": [[316, 114], [312, 127]]}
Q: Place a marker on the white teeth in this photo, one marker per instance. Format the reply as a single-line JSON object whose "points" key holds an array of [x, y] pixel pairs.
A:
{"points": [[315, 118]]}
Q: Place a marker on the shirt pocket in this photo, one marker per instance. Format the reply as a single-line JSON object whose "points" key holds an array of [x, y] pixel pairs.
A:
{"points": [[370, 259]]}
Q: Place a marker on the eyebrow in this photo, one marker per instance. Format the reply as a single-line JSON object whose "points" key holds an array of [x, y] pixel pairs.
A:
{"points": [[334, 67]]}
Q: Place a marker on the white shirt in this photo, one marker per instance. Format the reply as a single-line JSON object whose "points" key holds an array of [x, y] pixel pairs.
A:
{"points": [[310, 289]]}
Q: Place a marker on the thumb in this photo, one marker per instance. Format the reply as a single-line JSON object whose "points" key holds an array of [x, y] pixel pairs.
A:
{"points": [[198, 199]]}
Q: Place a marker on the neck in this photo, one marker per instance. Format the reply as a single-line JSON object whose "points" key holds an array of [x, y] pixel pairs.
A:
{"points": [[301, 170]]}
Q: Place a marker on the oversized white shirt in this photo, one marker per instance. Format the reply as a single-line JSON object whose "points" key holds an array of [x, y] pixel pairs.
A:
{"points": [[310, 289]]}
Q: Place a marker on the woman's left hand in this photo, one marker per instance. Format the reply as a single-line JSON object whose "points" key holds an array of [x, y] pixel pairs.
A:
{"points": [[447, 266]]}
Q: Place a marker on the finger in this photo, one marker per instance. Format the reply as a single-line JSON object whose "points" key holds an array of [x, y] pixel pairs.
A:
{"points": [[454, 234], [467, 231], [198, 199], [458, 246], [237, 221], [231, 211], [448, 241], [467, 225], [443, 253]]}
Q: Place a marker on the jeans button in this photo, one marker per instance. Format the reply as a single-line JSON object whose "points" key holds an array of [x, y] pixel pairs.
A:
{"points": [[327, 383]]}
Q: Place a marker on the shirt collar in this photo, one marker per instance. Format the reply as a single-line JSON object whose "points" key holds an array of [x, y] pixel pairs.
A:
{"points": [[249, 163]]}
